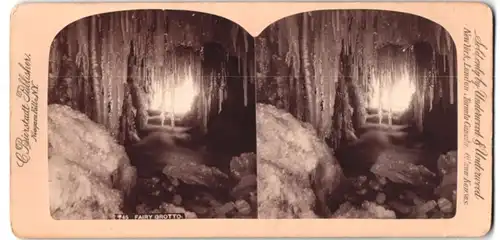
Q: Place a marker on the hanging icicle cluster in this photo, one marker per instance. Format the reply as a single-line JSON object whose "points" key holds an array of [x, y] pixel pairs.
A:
{"points": [[299, 61], [89, 59]]}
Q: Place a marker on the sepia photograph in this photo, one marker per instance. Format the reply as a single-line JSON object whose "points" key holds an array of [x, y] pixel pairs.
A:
{"points": [[356, 116], [152, 112], [251, 119]]}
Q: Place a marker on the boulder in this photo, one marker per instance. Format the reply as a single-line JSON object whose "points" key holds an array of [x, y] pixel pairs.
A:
{"points": [[223, 210], [380, 198], [447, 186], [368, 210], [447, 163], [289, 156], [243, 207], [425, 207], [77, 194], [242, 165], [89, 173], [161, 152], [400, 207], [445, 205], [193, 173], [447, 166], [165, 208], [399, 166], [245, 186], [171, 208]]}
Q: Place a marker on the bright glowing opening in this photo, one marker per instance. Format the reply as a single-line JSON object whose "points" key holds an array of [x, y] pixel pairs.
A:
{"points": [[177, 100], [396, 98]]}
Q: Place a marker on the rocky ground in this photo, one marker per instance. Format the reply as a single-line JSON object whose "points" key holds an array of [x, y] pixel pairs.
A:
{"points": [[408, 180], [91, 177], [377, 196], [398, 185], [175, 191]]}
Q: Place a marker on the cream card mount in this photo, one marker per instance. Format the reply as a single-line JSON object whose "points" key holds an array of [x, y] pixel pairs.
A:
{"points": [[251, 119]]}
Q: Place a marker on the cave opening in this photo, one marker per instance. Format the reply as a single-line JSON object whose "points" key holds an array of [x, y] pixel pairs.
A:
{"points": [[393, 84]]}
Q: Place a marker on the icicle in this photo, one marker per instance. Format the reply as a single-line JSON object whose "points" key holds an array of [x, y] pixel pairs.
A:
{"points": [[389, 117], [212, 82], [451, 79], [239, 63], [172, 103], [321, 53], [311, 21], [221, 97], [175, 72], [307, 69], [444, 63], [380, 88], [449, 43], [246, 42], [425, 83], [337, 20], [282, 34], [234, 37], [206, 105], [439, 36], [127, 24], [431, 94], [108, 102], [245, 82]]}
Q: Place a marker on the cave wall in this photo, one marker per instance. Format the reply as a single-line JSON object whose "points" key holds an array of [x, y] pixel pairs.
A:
{"points": [[113, 66], [436, 110], [320, 65]]}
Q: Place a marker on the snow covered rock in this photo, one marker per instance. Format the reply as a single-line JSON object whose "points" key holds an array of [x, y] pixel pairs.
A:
{"points": [[368, 210], [291, 158], [89, 173]]}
